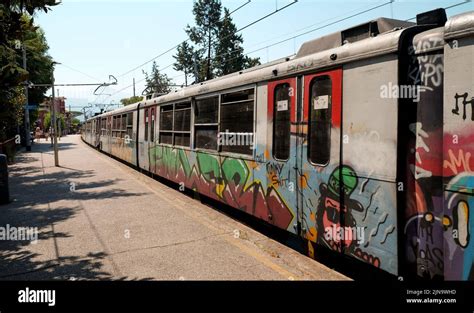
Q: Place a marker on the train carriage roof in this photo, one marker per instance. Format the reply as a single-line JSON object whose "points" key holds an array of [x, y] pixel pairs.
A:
{"points": [[461, 25], [376, 37], [456, 27], [323, 52]]}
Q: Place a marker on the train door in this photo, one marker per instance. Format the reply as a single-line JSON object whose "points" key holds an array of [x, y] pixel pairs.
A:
{"points": [[96, 132], [318, 166], [152, 143], [281, 155], [144, 137]]}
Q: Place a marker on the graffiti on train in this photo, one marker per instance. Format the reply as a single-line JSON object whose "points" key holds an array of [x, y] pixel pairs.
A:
{"points": [[229, 180], [459, 226], [464, 103], [364, 225]]}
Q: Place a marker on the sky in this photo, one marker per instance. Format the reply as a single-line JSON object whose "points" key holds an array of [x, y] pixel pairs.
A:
{"points": [[93, 39]]}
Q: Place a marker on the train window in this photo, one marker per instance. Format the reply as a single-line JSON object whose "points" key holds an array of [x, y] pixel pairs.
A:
{"points": [[123, 127], [237, 122], [206, 137], [206, 111], [182, 117], [182, 139], [281, 122], [114, 126], [175, 124], [166, 118], [119, 125], [152, 131], [166, 125], [320, 120], [166, 138], [146, 124], [206, 123], [182, 124], [103, 126], [129, 125]]}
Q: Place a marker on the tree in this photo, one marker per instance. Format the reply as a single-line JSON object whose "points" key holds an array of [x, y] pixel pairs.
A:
{"points": [[157, 82], [215, 37], [131, 100], [207, 14], [229, 51], [185, 60], [39, 63], [17, 29], [59, 119]]}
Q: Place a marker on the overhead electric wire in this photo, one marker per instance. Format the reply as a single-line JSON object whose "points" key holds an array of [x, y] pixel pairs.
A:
{"points": [[307, 32], [332, 23], [266, 16], [171, 49], [446, 8], [246, 26], [326, 25], [76, 70]]}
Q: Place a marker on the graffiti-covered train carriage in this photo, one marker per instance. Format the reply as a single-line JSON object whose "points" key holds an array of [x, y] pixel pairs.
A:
{"points": [[361, 143]]}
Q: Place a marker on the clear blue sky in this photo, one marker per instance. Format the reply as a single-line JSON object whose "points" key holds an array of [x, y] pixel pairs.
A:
{"points": [[95, 38]]}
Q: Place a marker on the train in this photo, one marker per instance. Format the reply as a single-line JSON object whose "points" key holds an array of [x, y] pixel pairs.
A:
{"points": [[361, 143]]}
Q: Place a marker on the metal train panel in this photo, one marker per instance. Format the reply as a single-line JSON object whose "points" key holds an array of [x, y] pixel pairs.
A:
{"points": [[458, 148], [424, 209], [369, 152], [143, 144]]}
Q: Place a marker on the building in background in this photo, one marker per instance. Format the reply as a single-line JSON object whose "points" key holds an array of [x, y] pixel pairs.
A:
{"points": [[45, 108]]}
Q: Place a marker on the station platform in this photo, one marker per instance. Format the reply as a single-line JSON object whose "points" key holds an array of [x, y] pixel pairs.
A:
{"points": [[98, 219]]}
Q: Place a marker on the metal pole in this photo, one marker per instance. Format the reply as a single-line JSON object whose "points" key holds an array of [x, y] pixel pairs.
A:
{"points": [[27, 110], [55, 126], [134, 87], [59, 124]]}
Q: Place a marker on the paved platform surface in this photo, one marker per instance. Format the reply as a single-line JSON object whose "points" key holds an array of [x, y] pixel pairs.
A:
{"points": [[99, 219]]}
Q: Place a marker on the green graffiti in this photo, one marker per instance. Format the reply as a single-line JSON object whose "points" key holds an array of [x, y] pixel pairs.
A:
{"points": [[209, 167], [235, 170], [184, 162], [349, 180], [172, 159]]}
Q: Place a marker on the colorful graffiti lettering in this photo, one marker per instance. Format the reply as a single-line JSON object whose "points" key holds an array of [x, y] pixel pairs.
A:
{"points": [[459, 163], [225, 179]]}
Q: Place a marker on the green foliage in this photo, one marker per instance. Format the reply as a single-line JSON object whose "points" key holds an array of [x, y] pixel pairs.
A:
{"points": [[39, 63], [60, 120], [157, 82], [11, 112], [207, 14], [217, 48], [185, 60], [17, 30], [229, 51], [131, 100], [75, 122]]}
